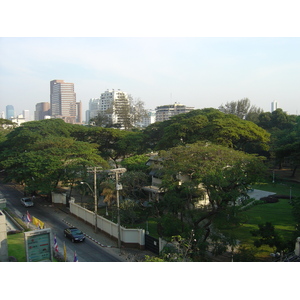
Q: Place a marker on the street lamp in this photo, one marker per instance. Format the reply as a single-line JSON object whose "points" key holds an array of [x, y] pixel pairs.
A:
{"points": [[95, 201]]}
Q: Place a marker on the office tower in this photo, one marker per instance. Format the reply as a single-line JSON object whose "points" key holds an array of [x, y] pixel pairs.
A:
{"points": [[63, 101], [42, 110], [165, 112], [274, 106], [10, 112]]}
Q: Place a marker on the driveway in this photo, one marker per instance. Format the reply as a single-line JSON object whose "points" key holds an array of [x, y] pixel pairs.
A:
{"points": [[257, 194]]}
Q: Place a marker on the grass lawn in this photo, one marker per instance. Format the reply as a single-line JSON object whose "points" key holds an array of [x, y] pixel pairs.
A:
{"points": [[279, 214], [280, 188], [16, 246]]}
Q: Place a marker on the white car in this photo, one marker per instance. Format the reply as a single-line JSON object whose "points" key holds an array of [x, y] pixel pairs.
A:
{"points": [[27, 202]]}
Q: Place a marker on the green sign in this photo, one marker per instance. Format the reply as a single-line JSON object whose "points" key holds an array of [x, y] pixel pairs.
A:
{"points": [[38, 245]]}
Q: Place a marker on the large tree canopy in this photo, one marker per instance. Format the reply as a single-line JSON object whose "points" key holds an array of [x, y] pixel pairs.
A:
{"points": [[208, 125], [42, 153], [224, 174]]}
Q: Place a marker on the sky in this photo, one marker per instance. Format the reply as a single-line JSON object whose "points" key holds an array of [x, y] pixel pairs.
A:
{"points": [[201, 70]]}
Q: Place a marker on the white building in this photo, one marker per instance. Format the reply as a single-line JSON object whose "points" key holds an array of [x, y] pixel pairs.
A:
{"points": [[113, 103], [26, 115], [18, 120], [165, 112], [274, 106]]}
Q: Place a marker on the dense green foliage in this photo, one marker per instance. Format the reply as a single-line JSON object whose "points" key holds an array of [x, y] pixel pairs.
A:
{"points": [[203, 153], [223, 174], [40, 154], [207, 125]]}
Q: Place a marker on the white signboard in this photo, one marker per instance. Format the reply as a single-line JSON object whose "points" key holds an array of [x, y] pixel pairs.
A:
{"points": [[39, 245]]}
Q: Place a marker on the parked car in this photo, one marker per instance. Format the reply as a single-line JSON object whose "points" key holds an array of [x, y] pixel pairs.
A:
{"points": [[27, 202], [74, 234]]}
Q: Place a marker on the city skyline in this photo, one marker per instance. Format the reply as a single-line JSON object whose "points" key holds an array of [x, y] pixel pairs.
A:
{"points": [[197, 72]]}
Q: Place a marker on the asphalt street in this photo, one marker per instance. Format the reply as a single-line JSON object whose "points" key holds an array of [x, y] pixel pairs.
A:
{"points": [[97, 247]]}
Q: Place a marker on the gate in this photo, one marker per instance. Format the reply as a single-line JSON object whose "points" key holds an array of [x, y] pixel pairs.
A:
{"points": [[151, 244]]}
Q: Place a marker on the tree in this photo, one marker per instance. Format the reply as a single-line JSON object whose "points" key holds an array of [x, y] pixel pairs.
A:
{"points": [[224, 174], [109, 192], [208, 125], [41, 154], [253, 114], [285, 137], [102, 119], [6, 126], [241, 108], [268, 236], [132, 182], [136, 163], [113, 144]]}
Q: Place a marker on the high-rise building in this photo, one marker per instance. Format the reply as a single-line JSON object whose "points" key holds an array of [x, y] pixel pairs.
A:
{"points": [[42, 110], [10, 112], [79, 112], [115, 105], [274, 106], [63, 101], [165, 112]]}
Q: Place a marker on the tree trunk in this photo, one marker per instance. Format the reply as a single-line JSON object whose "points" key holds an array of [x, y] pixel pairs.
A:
{"points": [[294, 171]]}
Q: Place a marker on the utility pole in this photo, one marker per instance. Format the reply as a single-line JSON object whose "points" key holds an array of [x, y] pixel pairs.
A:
{"points": [[118, 187], [95, 170], [118, 210]]}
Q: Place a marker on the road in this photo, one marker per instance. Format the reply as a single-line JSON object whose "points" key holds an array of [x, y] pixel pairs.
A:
{"points": [[86, 251]]}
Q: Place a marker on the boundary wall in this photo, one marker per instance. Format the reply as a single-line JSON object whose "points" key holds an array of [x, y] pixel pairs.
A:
{"points": [[130, 237]]}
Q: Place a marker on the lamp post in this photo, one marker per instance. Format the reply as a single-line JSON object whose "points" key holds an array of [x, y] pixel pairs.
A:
{"points": [[95, 200]]}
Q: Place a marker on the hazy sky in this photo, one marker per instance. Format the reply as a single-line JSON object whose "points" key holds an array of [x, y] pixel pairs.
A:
{"points": [[198, 72], [200, 53]]}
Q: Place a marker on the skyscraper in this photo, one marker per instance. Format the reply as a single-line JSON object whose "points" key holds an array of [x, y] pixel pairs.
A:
{"points": [[42, 110], [274, 106], [10, 112], [63, 101]]}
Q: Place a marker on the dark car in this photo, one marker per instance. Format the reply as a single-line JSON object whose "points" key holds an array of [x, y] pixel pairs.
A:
{"points": [[74, 234]]}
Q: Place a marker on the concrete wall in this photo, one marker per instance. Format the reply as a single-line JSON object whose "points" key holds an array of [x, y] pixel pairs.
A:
{"points": [[129, 236], [297, 246], [59, 198], [3, 238]]}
